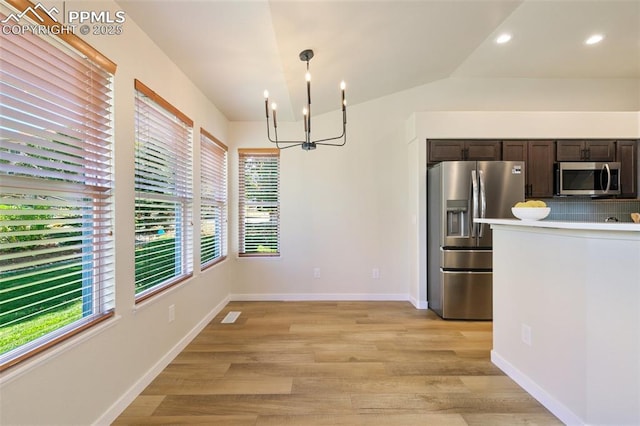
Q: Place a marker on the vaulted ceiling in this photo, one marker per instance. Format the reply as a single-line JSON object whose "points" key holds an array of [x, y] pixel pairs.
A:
{"points": [[235, 49]]}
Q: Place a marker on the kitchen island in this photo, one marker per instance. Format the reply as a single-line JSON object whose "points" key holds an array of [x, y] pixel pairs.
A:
{"points": [[566, 316]]}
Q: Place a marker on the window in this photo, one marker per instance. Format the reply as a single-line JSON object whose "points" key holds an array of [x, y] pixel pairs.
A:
{"points": [[56, 213], [164, 199], [259, 202], [213, 199]]}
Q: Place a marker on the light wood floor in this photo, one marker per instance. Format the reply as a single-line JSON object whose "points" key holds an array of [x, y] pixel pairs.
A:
{"points": [[336, 363]]}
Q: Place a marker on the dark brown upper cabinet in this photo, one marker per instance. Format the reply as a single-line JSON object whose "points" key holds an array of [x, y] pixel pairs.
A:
{"points": [[585, 150], [456, 150], [538, 157], [627, 155]]}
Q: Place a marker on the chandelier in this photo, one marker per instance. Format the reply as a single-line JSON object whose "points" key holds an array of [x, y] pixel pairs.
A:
{"points": [[307, 144]]}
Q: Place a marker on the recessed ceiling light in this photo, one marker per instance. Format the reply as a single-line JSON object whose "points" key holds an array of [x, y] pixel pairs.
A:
{"points": [[503, 38], [596, 38]]}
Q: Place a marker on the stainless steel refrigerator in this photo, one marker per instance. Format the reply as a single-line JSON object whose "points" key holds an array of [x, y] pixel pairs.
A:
{"points": [[459, 257]]}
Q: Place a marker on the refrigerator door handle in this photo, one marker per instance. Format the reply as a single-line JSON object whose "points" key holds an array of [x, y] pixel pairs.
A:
{"points": [[474, 203], [483, 201]]}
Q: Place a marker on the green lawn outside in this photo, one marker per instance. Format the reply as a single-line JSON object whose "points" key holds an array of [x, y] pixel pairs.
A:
{"points": [[61, 287], [155, 262], [16, 335], [21, 298]]}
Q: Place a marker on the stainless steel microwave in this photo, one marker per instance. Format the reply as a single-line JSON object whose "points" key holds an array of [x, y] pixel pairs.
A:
{"points": [[587, 178]]}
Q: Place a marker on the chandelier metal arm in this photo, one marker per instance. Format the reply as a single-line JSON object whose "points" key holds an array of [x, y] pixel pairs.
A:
{"points": [[278, 142], [343, 135], [291, 146], [332, 144], [319, 141], [323, 141]]}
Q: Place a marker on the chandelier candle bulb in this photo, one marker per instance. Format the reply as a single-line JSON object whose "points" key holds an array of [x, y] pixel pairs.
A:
{"points": [[266, 103], [273, 107], [344, 113], [304, 114], [307, 77]]}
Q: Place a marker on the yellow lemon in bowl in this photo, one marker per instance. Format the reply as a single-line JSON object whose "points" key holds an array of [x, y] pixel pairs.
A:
{"points": [[530, 210], [531, 204]]}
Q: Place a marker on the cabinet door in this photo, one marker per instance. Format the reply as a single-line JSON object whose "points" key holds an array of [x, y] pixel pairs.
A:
{"points": [[540, 168], [627, 155], [483, 150], [518, 151], [445, 150], [538, 156], [581, 150], [570, 150], [514, 150], [600, 150]]}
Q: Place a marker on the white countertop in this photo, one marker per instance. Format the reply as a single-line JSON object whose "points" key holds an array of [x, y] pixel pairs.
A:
{"points": [[591, 226]]}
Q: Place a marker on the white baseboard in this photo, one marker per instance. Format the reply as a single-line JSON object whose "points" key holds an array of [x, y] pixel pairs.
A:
{"points": [[558, 409], [127, 398], [419, 304]]}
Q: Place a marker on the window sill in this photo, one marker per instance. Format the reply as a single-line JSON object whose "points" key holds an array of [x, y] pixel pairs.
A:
{"points": [[259, 257]]}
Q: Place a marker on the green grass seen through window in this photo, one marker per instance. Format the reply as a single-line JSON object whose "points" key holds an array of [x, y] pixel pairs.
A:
{"points": [[13, 336]]}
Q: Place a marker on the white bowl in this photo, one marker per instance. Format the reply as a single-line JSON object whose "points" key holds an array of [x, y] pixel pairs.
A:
{"points": [[530, 213]]}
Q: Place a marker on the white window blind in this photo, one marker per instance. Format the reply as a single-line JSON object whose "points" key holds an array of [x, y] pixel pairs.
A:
{"points": [[164, 196], [259, 202], [56, 213], [213, 199]]}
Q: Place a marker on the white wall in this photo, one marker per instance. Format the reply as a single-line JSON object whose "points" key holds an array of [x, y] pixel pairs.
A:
{"points": [[344, 210], [341, 211], [577, 291]]}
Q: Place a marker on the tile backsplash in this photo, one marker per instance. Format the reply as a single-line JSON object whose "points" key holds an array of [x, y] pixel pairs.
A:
{"points": [[580, 209]]}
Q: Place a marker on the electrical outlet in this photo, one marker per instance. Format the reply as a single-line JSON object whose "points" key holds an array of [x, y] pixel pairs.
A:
{"points": [[172, 313], [526, 334], [375, 273], [316, 272]]}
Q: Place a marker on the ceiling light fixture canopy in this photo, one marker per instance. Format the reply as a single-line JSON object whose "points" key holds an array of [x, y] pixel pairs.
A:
{"points": [[307, 144]]}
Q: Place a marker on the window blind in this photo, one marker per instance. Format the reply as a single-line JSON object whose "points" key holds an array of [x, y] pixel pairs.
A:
{"points": [[56, 213], [259, 202], [164, 199], [213, 199]]}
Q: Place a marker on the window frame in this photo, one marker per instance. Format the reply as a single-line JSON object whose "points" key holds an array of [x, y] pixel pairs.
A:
{"points": [[270, 157], [161, 156], [75, 160], [214, 196]]}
